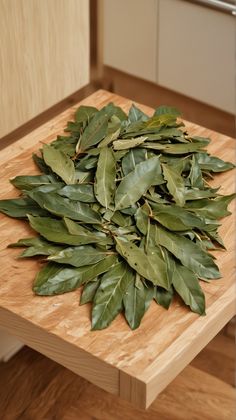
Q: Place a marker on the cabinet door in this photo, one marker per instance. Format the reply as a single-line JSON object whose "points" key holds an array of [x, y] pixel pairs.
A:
{"points": [[44, 56], [130, 35], [197, 52]]}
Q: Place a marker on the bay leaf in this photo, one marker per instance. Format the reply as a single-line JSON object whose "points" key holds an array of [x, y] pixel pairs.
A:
{"points": [[137, 182], [213, 163], [94, 132], [64, 207], [78, 192], [195, 175], [29, 182], [187, 286], [211, 208], [176, 218], [21, 207], [89, 291], [60, 164], [65, 144], [105, 177], [151, 266], [197, 194], [132, 158], [134, 302], [57, 278], [175, 149], [136, 114], [55, 231], [114, 128], [36, 246], [107, 302], [167, 110], [87, 236], [163, 297], [175, 184], [86, 163], [141, 217], [190, 255], [78, 256], [84, 114], [128, 143]]}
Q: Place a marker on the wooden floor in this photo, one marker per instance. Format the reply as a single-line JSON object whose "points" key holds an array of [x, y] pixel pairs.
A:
{"points": [[32, 387]]}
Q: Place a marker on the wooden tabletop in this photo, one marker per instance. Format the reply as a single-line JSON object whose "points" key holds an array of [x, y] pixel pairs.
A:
{"points": [[138, 364]]}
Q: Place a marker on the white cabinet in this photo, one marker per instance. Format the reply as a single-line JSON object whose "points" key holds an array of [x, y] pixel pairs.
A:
{"points": [[177, 44], [196, 52], [130, 36]]}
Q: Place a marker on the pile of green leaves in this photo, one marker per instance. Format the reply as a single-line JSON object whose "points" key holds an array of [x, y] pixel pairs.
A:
{"points": [[123, 207]]}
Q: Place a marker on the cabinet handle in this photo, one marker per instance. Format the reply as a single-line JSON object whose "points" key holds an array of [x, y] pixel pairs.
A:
{"points": [[221, 5]]}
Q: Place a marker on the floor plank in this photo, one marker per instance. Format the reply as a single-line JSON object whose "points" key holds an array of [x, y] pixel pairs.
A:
{"points": [[32, 387], [193, 395], [218, 359], [22, 379]]}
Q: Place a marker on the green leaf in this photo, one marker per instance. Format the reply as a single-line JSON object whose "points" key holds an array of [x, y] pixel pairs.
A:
{"points": [[142, 217], [78, 256], [94, 132], [215, 208], [55, 231], [30, 182], [86, 163], [36, 246], [151, 266], [195, 175], [136, 114], [175, 184], [176, 218], [112, 110], [197, 139], [63, 207], [132, 158], [134, 302], [213, 163], [190, 254], [78, 192], [114, 127], [137, 182], [39, 162], [84, 114], [197, 194], [89, 291], [163, 297], [175, 149], [105, 177], [187, 286], [56, 279], [120, 219], [167, 110], [129, 143], [86, 236], [65, 144], [60, 163], [107, 302], [20, 207]]}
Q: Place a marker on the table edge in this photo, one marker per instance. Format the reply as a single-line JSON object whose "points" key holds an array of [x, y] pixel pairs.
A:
{"points": [[69, 355], [143, 389]]}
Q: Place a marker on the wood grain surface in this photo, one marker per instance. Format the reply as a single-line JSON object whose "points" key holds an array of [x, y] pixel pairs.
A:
{"points": [[44, 56], [136, 365], [32, 387]]}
